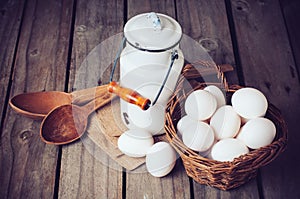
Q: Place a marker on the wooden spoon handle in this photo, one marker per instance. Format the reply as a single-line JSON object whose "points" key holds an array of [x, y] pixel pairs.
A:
{"points": [[86, 95], [129, 95], [102, 99]]}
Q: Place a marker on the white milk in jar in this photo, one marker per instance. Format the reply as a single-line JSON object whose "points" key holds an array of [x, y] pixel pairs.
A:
{"points": [[151, 40]]}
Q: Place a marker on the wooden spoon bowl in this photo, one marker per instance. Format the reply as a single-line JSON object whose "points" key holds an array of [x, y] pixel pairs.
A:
{"points": [[68, 122], [65, 124], [37, 105]]}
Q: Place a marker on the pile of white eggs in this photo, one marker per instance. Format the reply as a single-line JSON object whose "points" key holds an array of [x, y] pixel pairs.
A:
{"points": [[224, 132], [160, 156]]}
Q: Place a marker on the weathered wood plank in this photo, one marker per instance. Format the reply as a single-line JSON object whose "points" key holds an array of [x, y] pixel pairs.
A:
{"points": [[139, 183], [10, 20], [137, 7], [86, 170], [268, 64], [291, 14], [205, 22], [28, 166]]}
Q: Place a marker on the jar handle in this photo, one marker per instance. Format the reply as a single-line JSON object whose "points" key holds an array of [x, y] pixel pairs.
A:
{"points": [[129, 95], [173, 57]]}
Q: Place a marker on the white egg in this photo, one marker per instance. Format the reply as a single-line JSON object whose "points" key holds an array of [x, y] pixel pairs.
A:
{"points": [[160, 159], [198, 136], [225, 122], [151, 120], [135, 142], [227, 149], [200, 105], [249, 103], [218, 94], [258, 132], [184, 123]]}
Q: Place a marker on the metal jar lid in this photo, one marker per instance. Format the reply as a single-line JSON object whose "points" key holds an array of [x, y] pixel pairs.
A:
{"points": [[152, 32]]}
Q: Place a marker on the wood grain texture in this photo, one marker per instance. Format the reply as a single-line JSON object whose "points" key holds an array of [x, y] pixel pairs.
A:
{"points": [[97, 36], [290, 10], [210, 28], [140, 184], [28, 166], [268, 65], [86, 170], [136, 7], [10, 20]]}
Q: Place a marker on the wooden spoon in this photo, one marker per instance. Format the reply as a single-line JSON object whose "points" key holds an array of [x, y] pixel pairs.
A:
{"points": [[38, 104], [68, 122]]}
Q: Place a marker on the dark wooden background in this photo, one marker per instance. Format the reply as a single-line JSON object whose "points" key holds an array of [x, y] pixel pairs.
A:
{"points": [[42, 44]]}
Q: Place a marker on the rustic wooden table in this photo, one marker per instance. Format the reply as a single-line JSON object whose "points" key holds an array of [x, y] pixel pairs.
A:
{"points": [[43, 44]]}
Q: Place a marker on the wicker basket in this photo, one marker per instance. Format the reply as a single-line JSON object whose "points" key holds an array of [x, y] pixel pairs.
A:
{"points": [[222, 175]]}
